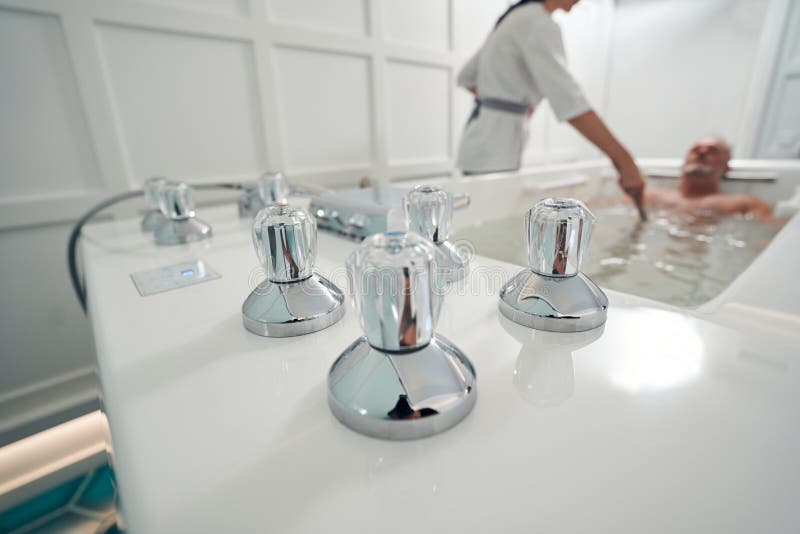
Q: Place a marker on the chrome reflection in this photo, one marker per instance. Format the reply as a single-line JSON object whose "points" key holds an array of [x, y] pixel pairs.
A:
{"points": [[544, 372]]}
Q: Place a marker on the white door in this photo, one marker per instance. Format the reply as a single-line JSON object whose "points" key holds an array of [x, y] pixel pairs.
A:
{"points": [[780, 131]]}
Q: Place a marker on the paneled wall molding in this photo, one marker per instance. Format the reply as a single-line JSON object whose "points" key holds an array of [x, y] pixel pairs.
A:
{"points": [[225, 89]]}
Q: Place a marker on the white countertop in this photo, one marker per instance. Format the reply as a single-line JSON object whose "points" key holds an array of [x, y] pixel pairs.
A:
{"points": [[667, 422]]}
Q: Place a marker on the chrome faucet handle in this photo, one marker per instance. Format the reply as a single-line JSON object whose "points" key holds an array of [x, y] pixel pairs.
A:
{"points": [[285, 240], [152, 191], [557, 234], [461, 200], [429, 211], [273, 188], [176, 201], [270, 188], [293, 300], [180, 225], [400, 380], [553, 294], [396, 292], [152, 194]]}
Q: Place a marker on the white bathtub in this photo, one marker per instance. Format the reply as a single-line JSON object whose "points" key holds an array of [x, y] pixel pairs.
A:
{"points": [[662, 421]]}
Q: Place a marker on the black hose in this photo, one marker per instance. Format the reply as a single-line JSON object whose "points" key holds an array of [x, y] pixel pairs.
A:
{"points": [[80, 291], [75, 234]]}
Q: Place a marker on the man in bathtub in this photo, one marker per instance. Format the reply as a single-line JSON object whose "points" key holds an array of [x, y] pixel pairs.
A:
{"points": [[698, 191]]}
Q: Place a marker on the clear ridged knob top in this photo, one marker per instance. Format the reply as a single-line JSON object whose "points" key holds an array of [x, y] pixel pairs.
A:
{"points": [[273, 187], [557, 234], [152, 191], [285, 239], [429, 212], [176, 201], [395, 287]]}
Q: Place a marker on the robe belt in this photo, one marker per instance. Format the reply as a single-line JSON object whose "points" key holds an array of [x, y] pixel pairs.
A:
{"points": [[499, 105]]}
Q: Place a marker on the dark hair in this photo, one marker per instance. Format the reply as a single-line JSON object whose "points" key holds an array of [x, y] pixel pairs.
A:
{"points": [[513, 7]]}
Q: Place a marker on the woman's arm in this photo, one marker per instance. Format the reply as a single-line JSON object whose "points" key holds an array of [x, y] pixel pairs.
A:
{"points": [[592, 127], [543, 52], [468, 76]]}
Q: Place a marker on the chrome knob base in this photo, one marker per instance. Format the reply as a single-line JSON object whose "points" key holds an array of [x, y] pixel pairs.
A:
{"points": [[554, 304], [401, 395], [152, 220], [181, 231], [176, 203], [275, 309]]}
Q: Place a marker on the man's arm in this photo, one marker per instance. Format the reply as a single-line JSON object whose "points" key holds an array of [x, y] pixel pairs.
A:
{"points": [[752, 205], [744, 204]]}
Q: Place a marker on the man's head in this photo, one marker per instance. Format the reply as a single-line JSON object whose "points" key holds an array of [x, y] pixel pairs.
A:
{"points": [[704, 166]]}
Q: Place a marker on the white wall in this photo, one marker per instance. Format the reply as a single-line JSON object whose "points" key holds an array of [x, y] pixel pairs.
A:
{"points": [[683, 69], [587, 40]]}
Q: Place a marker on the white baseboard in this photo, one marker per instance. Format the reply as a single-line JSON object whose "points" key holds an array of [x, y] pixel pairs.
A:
{"points": [[33, 406]]}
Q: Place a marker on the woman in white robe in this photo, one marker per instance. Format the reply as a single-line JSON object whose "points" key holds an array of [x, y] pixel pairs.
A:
{"points": [[521, 63]]}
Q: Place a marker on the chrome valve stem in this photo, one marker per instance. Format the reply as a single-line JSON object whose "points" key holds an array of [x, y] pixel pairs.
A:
{"points": [[271, 188], [400, 380], [553, 294], [429, 212], [293, 300], [180, 226]]}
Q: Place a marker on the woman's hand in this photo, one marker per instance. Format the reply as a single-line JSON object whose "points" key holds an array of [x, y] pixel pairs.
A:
{"points": [[631, 180], [592, 127]]}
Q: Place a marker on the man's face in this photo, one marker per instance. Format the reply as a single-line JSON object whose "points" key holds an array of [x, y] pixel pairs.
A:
{"points": [[707, 159]]}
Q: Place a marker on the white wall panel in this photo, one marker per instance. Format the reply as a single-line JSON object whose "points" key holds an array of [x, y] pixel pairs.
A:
{"points": [[325, 103], [223, 7], [417, 23], [347, 17], [472, 22], [187, 105], [681, 70], [45, 145], [418, 116], [587, 38], [463, 103]]}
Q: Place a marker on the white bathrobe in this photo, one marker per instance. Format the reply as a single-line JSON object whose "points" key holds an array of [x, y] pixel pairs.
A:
{"points": [[522, 61]]}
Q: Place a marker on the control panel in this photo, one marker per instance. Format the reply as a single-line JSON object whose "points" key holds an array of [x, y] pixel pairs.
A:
{"points": [[173, 277]]}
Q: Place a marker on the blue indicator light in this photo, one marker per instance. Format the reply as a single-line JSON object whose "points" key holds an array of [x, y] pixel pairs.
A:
{"points": [[187, 272]]}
